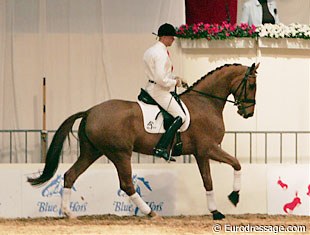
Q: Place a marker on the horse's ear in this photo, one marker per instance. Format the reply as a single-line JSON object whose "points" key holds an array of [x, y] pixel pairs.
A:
{"points": [[254, 68]]}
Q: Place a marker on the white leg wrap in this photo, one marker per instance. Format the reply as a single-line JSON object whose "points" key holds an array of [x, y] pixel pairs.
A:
{"points": [[237, 181], [211, 201], [65, 203], [138, 201]]}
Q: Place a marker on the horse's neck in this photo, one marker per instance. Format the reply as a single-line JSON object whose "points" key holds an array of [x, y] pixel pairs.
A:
{"points": [[219, 83], [215, 86]]}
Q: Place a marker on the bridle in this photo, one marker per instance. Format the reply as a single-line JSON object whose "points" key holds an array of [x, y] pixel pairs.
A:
{"points": [[242, 86], [243, 93]]}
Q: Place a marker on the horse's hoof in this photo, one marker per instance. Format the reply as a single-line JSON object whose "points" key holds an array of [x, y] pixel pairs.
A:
{"points": [[154, 216], [68, 214], [217, 215], [234, 197], [172, 159]]}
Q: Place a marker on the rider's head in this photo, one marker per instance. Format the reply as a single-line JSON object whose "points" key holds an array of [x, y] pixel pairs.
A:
{"points": [[166, 34]]}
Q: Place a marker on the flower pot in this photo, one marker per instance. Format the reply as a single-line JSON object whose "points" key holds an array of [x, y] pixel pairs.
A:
{"points": [[227, 43], [288, 43]]}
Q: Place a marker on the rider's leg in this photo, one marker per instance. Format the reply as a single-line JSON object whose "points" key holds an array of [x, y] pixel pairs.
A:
{"points": [[161, 149], [172, 107], [167, 102]]}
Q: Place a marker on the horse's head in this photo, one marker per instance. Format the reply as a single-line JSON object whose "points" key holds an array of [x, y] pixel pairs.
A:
{"points": [[244, 90]]}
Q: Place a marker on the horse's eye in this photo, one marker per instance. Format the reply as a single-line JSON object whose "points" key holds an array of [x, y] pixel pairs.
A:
{"points": [[252, 86]]}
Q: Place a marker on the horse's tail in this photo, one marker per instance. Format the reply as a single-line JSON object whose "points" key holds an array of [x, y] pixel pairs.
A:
{"points": [[54, 151]]}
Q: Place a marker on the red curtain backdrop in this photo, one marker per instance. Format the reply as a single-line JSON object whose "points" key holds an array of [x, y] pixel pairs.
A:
{"points": [[211, 11]]}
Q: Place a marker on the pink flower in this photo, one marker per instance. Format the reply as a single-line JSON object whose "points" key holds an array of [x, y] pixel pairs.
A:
{"points": [[232, 27], [216, 31], [244, 26], [195, 28], [206, 26], [226, 25], [183, 27], [200, 24]]}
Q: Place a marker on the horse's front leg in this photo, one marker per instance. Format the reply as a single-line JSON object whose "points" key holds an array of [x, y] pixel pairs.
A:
{"points": [[204, 168], [217, 154]]}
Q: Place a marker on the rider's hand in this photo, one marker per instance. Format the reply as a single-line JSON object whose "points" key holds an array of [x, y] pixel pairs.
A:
{"points": [[179, 82], [183, 82]]}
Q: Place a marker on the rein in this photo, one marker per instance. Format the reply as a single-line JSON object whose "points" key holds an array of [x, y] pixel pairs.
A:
{"points": [[213, 96], [238, 101]]}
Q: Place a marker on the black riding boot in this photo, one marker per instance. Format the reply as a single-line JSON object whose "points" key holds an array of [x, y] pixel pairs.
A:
{"points": [[161, 148]]}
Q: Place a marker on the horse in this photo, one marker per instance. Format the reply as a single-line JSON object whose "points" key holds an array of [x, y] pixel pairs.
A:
{"points": [[115, 129]]}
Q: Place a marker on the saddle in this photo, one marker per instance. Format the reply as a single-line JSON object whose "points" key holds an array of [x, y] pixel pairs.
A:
{"points": [[146, 98], [157, 120]]}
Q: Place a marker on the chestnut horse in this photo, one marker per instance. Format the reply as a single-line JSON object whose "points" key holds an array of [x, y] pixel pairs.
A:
{"points": [[115, 129]]}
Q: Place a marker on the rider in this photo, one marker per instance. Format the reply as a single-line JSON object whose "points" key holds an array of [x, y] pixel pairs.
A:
{"points": [[161, 81]]}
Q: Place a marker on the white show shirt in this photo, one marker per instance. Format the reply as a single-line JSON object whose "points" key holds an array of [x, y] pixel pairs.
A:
{"points": [[158, 67]]}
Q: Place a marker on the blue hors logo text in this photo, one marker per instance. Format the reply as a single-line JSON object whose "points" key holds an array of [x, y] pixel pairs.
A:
{"points": [[141, 184], [55, 189]]}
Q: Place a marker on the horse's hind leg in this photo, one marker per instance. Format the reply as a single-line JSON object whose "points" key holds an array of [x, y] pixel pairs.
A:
{"points": [[122, 163], [217, 154], [87, 156]]}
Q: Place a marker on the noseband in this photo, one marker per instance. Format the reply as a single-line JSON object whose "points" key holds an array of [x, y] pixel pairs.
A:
{"points": [[238, 101]]}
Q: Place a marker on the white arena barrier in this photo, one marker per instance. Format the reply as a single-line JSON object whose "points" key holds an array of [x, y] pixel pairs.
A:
{"points": [[169, 189]]}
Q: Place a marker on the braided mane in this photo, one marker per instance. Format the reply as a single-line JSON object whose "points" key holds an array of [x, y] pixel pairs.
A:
{"points": [[208, 74]]}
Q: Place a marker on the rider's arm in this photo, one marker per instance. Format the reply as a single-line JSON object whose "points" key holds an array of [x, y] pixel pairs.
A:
{"points": [[163, 75]]}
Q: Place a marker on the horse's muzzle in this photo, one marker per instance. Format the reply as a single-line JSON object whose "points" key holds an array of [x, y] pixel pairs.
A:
{"points": [[244, 114], [248, 115]]}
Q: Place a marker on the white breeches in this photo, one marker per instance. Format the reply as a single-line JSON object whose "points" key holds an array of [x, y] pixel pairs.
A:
{"points": [[167, 102]]}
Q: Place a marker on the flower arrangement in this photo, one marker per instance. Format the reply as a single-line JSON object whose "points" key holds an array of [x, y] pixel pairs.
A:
{"points": [[228, 31], [284, 31], [216, 31]]}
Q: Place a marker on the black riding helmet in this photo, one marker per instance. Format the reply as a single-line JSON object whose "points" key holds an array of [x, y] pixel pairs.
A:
{"points": [[166, 30]]}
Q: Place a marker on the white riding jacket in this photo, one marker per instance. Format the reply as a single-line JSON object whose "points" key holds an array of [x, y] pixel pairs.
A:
{"points": [[160, 79], [252, 12]]}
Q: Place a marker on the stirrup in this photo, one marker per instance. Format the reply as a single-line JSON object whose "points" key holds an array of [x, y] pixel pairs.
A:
{"points": [[163, 153]]}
